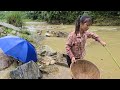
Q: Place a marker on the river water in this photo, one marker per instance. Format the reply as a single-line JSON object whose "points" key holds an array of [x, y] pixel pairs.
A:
{"points": [[95, 53]]}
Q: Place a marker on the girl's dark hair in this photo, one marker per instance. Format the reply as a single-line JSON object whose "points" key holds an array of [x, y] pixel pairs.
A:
{"points": [[82, 19]]}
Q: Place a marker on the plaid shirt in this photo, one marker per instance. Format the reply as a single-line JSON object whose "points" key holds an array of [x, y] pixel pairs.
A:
{"points": [[75, 45]]}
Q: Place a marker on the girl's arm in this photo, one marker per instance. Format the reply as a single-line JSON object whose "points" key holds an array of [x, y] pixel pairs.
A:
{"points": [[96, 37], [100, 41]]}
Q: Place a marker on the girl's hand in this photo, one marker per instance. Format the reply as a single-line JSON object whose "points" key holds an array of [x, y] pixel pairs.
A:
{"points": [[103, 43], [73, 60]]}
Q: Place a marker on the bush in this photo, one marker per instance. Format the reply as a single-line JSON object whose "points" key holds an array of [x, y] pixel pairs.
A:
{"points": [[14, 18], [58, 17], [2, 15], [33, 14]]}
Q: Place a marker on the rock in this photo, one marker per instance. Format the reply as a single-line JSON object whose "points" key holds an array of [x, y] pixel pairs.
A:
{"points": [[28, 70], [62, 34], [37, 38], [59, 34], [52, 62], [47, 63], [101, 59], [48, 60], [39, 32], [1, 30], [52, 33], [9, 26], [50, 69], [5, 61], [47, 34], [61, 58], [47, 51]]}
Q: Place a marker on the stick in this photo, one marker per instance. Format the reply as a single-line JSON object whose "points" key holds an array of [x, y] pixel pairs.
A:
{"points": [[112, 56]]}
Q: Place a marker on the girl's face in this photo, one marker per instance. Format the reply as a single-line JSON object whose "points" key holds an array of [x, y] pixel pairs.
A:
{"points": [[84, 26]]}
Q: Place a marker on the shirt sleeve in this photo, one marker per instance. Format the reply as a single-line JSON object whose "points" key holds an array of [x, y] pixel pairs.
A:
{"points": [[93, 36], [69, 45]]}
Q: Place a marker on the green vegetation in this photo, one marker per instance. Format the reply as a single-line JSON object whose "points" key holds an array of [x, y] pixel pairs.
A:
{"points": [[5, 31], [68, 17], [27, 37], [57, 17], [14, 18], [25, 32]]}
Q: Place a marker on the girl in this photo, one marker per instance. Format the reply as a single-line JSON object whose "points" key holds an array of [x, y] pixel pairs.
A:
{"points": [[75, 45]]}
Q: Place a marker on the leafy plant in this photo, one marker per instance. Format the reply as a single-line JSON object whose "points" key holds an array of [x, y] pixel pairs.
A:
{"points": [[14, 18], [25, 36], [25, 32]]}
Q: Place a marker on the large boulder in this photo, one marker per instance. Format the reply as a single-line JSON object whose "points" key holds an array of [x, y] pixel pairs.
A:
{"points": [[28, 70], [5, 61], [9, 26], [45, 50], [60, 57]]}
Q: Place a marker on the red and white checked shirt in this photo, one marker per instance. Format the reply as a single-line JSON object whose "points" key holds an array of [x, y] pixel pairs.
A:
{"points": [[75, 45]]}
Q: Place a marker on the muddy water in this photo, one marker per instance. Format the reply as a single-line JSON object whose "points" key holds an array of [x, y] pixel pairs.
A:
{"points": [[100, 56], [95, 52]]}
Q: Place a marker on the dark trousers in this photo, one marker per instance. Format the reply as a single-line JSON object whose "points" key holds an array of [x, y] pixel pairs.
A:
{"points": [[68, 60]]}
